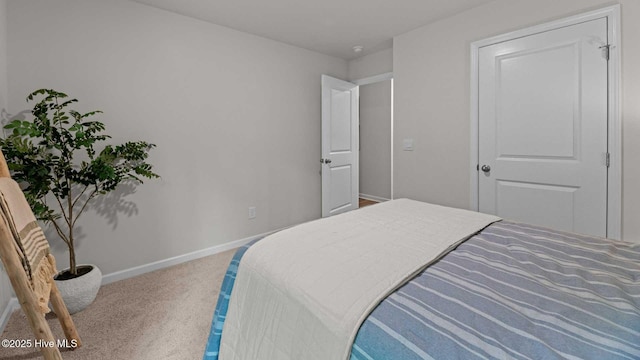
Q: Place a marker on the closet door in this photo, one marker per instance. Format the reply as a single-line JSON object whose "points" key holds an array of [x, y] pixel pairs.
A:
{"points": [[543, 128]]}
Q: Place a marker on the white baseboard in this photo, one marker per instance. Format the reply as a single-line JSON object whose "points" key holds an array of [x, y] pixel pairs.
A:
{"points": [[373, 198], [142, 269], [6, 314], [161, 264]]}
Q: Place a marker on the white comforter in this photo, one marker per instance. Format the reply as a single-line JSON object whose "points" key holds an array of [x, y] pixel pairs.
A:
{"points": [[302, 293]]}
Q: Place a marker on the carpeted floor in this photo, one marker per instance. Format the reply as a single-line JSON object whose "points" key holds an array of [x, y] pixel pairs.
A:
{"points": [[162, 315]]}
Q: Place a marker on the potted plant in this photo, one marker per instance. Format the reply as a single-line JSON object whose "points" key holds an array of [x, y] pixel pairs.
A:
{"points": [[55, 159]]}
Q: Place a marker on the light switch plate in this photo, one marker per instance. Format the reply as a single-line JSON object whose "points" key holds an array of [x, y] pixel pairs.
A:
{"points": [[407, 145]]}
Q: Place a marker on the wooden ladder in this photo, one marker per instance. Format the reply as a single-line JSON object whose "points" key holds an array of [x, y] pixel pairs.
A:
{"points": [[26, 296]]}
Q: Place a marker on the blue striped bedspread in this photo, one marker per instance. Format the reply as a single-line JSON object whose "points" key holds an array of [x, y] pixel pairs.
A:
{"points": [[513, 291]]}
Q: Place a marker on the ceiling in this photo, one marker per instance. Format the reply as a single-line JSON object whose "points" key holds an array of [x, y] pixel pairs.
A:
{"points": [[331, 27]]}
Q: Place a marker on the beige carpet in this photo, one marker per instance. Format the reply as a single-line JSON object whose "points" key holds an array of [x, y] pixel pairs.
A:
{"points": [[165, 314]]}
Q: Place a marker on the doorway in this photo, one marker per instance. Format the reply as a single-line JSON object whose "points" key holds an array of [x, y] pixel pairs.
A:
{"points": [[376, 140]]}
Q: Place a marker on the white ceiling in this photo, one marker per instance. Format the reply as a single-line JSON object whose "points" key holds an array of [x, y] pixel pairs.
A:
{"points": [[331, 27]]}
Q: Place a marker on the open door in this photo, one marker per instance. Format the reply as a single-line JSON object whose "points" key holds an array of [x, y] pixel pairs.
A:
{"points": [[339, 146]]}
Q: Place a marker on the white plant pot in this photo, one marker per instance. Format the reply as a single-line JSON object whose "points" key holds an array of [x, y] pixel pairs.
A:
{"points": [[78, 293]]}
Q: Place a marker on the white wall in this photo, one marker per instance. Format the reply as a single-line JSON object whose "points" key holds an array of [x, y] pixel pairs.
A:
{"points": [[369, 65], [5, 286], [431, 91], [236, 120]]}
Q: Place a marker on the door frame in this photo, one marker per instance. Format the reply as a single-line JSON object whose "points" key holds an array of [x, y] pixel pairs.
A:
{"points": [[614, 173]]}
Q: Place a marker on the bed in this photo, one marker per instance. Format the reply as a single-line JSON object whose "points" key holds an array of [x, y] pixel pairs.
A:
{"points": [[504, 290]]}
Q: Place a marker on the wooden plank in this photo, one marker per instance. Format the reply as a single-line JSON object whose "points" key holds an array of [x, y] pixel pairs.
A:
{"points": [[62, 313]]}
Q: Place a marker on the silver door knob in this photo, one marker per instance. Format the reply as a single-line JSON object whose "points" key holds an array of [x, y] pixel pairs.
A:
{"points": [[485, 168]]}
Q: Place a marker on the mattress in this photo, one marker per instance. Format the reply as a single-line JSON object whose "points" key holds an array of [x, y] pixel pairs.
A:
{"points": [[514, 291], [511, 291]]}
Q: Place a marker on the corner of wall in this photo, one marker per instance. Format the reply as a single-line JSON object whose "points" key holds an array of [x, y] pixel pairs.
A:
{"points": [[6, 311], [377, 63], [6, 291]]}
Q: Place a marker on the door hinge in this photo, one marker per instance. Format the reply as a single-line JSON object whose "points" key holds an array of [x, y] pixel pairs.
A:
{"points": [[608, 159], [605, 51]]}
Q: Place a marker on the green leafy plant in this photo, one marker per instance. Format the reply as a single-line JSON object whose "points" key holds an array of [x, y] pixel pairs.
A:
{"points": [[54, 158]]}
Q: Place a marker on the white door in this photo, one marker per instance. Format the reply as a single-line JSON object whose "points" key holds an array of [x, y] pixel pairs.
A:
{"points": [[339, 146], [543, 129]]}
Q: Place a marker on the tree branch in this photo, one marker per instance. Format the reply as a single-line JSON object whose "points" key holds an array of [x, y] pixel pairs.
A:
{"points": [[81, 193], [64, 213], [91, 196], [70, 212], [60, 232]]}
